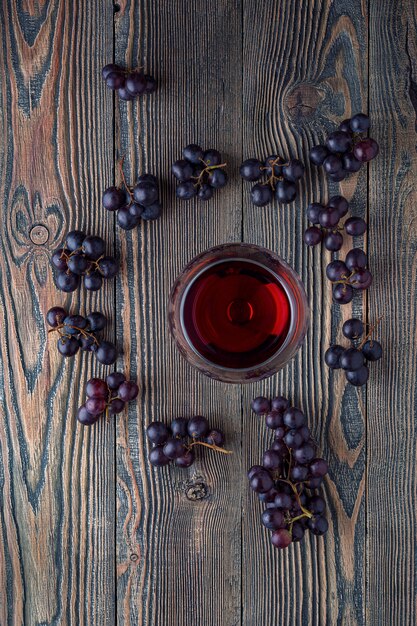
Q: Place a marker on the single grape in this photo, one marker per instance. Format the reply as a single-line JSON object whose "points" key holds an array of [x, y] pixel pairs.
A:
{"points": [[333, 241], [251, 170], [372, 350], [294, 418], [261, 195], [298, 473], [273, 419], [157, 458], [342, 294], [182, 170], [212, 157], [304, 454], [68, 346], [174, 448], [108, 266], [285, 191], [318, 154], [158, 432], [356, 258], [84, 417], [366, 150], [361, 279], [106, 353], [74, 240], [147, 178], [94, 247], [151, 84], [260, 405], [127, 219], [273, 519], [261, 482], [179, 427], [316, 504], [339, 141], [124, 94], [337, 270], [283, 501], [359, 123], [281, 538], [340, 203], [96, 388], [135, 83], [215, 437], [205, 192], [96, 321], [313, 211], [56, 316], [67, 281], [254, 470], [279, 446], [314, 483], [355, 226], [351, 163], [332, 356], [136, 210], [345, 126], [96, 406], [93, 281], [115, 80], [73, 324], [305, 433], [357, 377], [318, 525], [313, 236], [186, 190], [297, 531], [198, 427], [116, 406], [318, 468], [114, 198], [268, 497], [110, 67], [186, 460], [114, 380], [78, 264], [353, 328], [59, 261], [193, 153], [279, 403], [128, 391], [332, 164], [351, 359], [271, 460], [293, 171], [217, 178], [293, 439], [145, 193], [86, 343], [280, 432], [337, 177]]}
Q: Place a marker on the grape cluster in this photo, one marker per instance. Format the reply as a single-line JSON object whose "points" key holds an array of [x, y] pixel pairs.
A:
{"points": [[106, 396], [353, 359], [133, 203], [349, 275], [199, 173], [280, 179], [83, 256], [128, 84], [346, 149], [327, 228], [80, 333], [288, 481], [177, 442]]}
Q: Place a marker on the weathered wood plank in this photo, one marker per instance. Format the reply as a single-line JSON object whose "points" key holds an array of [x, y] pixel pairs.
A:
{"points": [[305, 69], [56, 479], [178, 560], [391, 433]]}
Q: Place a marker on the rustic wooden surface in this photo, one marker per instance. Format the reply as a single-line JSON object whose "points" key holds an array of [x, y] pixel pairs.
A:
{"points": [[90, 534]]}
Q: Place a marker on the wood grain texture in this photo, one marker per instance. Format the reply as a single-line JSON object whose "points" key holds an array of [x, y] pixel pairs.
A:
{"points": [[391, 474], [56, 479]]}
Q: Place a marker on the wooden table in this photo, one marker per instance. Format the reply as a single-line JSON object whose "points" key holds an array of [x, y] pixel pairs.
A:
{"points": [[90, 533]]}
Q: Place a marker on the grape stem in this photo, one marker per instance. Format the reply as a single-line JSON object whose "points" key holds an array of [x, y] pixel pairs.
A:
{"points": [[83, 332], [124, 181], [306, 512], [206, 169], [209, 445], [272, 179], [371, 330]]}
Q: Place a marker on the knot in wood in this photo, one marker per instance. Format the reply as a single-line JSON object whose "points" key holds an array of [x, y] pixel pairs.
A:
{"points": [[196, 491], [134, 557], [303, 101], [39, 234]]}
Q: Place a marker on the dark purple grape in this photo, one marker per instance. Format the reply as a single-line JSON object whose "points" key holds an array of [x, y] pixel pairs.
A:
{"points": [[355, 226], [285, 191], [280, 432], [127, 219], [351, 163], [93, 247], [333, 241], [78, 264], [293, 171], [318, 154], [304, 454], [337, 177], [356, 258], [318, 525], [179, 427], [114, 198], [297, 531], [215, 437], [357, 377], [114, 380], [124, 94], [96, 388], [182, 170], [74, 240], [158, 432], [332, 164], [152, 212], [115, 80], [268, 497], [145, 193], [342, 294], [73, 324], [305, 433], [280, 447], [314, 483], [108, 266], [353, 328], [135, 211], [157, 458], [366, 150], [318, 468], [361, 279], [273, 419], [279, 403], [135, 83], [271, 460], [212, 157], [116, 406], [293, 439], [84, 417], [151, 84], [294, 418], [67, 281], [110, 67], [96, 321], [281, 538], [198, 427], [87, 343], [56, 316], [174, 448], [298, 473], [372, 350], [93, 281], [273, 519], [59, 261], [205, 192], [193, 153], [68, 346], [337, 270], [186, 460], [96, 406], [313, 236], [261, 481], [340, 203], [272, 165], [332, 356], [254, 470], [339, 141], [260, 405], [283, 501], [251, 170], [186, 190], [128, 391], [261, 194], [217, 178], [106, 353], [345, 126], [359, 123], [316, 505], [313, 211]]}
